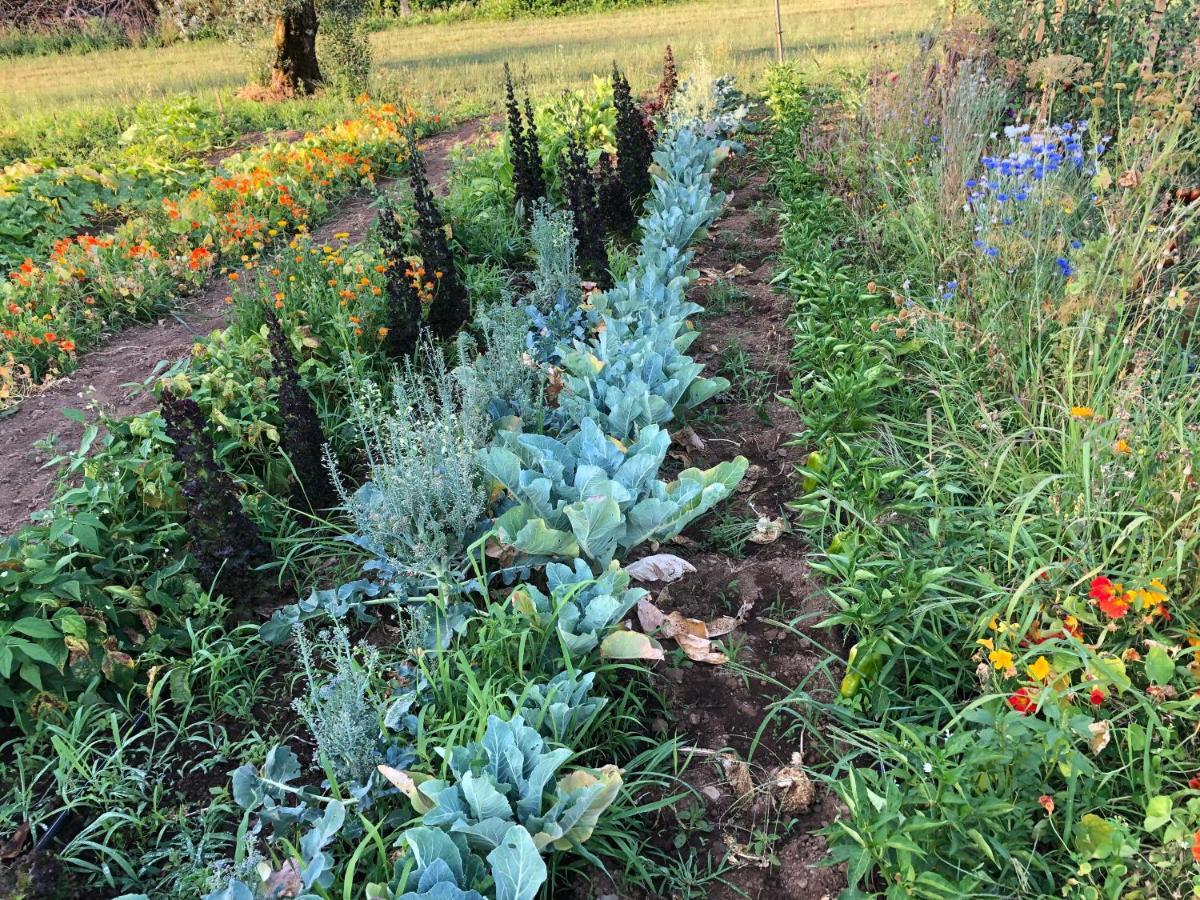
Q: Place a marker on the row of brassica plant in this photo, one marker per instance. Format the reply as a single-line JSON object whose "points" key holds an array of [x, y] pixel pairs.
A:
{"points": [[588, 491]]}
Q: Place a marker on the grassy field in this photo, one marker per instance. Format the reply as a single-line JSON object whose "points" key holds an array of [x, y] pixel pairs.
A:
{"points": [[454, 67]]}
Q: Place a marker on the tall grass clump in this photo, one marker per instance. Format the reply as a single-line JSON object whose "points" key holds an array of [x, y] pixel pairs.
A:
{"points": [[1002, 400]]}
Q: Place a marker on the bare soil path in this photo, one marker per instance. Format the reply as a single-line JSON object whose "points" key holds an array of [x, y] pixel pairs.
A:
{"points": [[112, 377], [750, 805]]}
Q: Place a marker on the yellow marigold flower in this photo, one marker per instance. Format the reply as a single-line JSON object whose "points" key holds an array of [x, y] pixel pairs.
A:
{"points": [[1122, 446], [382, 332], [1082, 412], [1002, 660], [1040, 669]]}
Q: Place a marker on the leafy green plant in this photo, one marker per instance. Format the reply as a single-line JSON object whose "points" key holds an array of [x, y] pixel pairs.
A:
{"points": [[595, 497], [503, 781], [404, 316], [635, 144], [626, 379], [579, 189], [580, 606], [302, 435]]}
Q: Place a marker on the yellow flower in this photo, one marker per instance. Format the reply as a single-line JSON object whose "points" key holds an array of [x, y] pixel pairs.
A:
{"points": [[1001, 659], [1122, 446], [1154, 595], [1082, 412], [987, 643], [1040, 669]]}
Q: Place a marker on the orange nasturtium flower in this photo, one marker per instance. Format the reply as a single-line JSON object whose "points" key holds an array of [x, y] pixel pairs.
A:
{"points": [[1082, 412], [1110, 597], [1023, 702], [1121, 446]]}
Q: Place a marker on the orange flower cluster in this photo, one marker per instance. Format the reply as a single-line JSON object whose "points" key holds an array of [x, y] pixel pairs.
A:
{"points": [[90, 284]]}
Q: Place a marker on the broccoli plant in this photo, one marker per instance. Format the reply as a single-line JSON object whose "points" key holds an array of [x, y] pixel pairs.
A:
{"points": [[438, 865], [626, 379], [595, 497], [562, 708], [506, 780], [583, 608]]}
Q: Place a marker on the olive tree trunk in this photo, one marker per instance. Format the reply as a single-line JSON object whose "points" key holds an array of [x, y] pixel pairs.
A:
{"points": [[295, 70]]}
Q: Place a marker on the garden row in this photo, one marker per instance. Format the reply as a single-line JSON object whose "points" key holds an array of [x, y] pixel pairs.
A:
{"points": [[178, 228], [992, 262], [526, 448]]}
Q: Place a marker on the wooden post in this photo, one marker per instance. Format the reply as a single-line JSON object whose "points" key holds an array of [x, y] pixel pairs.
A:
{"points": [[779, 32]]}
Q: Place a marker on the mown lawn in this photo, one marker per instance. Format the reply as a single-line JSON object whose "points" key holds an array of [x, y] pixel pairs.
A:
{"points": [[454, 66]]}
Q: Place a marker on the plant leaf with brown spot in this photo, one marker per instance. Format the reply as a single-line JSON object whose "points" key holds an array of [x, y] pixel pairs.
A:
{"points": [[630, 645]]}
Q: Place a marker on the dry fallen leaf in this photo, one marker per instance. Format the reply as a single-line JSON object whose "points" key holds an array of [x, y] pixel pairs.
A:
{"points": [[740, 855], [664, 567], [409, 786], [1101, 734], [692, 635], [687, 437], [699, 649], [767, 531], [738, 271], [792, 788], [284, 883], [737, 773], [11, 848], [753, 473]]}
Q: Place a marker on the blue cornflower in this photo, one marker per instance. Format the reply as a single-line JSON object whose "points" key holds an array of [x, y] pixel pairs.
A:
{"points": [[1064, 267], [991, 251], [1076, 244]]}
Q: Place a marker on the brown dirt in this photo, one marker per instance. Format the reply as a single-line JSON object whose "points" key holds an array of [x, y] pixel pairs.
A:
{"points": [[735, 716], [114, 376]]}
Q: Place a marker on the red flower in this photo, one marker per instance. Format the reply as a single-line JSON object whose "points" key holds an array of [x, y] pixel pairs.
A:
{"points": [[1096, 697], [1023, 702], [1196, 846], [1111, 598], [1194, 782]]}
